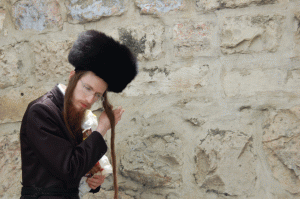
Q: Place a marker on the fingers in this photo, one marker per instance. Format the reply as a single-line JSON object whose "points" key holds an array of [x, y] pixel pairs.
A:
{"points": [[92, 184], [118, 114], [95, 181]]}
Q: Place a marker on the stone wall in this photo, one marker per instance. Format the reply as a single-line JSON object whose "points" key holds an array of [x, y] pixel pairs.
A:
{"points": [[214, 112]]}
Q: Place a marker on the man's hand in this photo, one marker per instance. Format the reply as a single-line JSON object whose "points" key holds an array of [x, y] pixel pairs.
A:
{"points": [[95, 181], [104, 124]]}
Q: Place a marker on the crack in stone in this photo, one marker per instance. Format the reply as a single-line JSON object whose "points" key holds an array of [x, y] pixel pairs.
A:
{"points": [[245, 146], [244, 107], [218, 193]]}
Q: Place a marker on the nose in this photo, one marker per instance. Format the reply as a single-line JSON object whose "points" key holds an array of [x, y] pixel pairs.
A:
{"points": [[90, 99]]}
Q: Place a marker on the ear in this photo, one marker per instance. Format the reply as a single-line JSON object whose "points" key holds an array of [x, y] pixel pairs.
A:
{"points": [[72, 73]]}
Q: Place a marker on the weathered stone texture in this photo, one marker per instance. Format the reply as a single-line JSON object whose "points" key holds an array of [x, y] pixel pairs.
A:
{"points": [[51, 63], [2, 17], [159, 6], [37, 14], [293, 81], [210, 5], [154, 161], [281, 141], [226, 164], [192, 38], [10, 165], [249, 82], [144, 41], [297, 35], [164, 80], [251, 34], [12, 69], [14, 103], [81, 11]]}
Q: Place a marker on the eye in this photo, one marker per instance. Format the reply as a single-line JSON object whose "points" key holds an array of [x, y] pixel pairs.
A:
{"points": [[88, 88]]}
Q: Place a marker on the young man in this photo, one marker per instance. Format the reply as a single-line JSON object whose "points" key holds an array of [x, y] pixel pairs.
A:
{"points": [[54, 155]]}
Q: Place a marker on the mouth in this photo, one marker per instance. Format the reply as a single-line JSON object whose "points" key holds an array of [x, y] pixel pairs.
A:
{"points": [[83, 105]]}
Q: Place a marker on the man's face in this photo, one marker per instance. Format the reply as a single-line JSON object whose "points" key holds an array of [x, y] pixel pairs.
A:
{"points": [[88, 87]]}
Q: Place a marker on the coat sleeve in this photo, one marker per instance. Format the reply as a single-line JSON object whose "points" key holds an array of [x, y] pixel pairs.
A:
{"points": [[55, 152]]}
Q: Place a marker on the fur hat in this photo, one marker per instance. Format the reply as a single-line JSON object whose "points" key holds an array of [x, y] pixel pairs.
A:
{"points": [[108, 59]]}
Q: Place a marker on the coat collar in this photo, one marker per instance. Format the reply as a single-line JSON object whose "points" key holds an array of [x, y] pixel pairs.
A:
{"points": [[58, 97]]}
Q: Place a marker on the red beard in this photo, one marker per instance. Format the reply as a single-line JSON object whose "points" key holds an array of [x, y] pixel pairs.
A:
{"points": [[74, 119]]}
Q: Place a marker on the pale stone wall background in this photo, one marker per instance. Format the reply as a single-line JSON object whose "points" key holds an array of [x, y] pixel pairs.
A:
{"points": [[214, 112]]}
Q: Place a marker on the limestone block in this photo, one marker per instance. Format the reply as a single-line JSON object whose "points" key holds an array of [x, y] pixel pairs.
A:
{"points": [[210, 5], [144, 41], [12, 70], [282, 144], [152, 195], [250, 82], [154, 161], [14, 103], [162, 80], [10, 165], [225, 163], [51, 60], [81, 11], [193, 38], [297, 34], [251, 34], [158, 7], [2, 17], [293, 81], [37, 14]]}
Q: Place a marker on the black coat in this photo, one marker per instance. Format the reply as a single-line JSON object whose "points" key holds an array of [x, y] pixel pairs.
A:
{"points": [[50, 157]]}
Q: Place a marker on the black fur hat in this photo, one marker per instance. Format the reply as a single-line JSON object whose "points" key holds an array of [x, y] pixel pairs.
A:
{"points": [[108, 59]]}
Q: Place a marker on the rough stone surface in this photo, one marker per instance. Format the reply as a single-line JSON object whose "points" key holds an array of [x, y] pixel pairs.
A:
{"points": [[281, 144], [164, 80], [210, 5], [159, 6], [225, 163], [14, 103], [297, 34], [85, 11], [37, 14], [51, 63], [144, 41], [2, 17], [251, 34], [10, 164], [293, 81], [12, 67], [192, 38], [245, 82], [153, 161]]}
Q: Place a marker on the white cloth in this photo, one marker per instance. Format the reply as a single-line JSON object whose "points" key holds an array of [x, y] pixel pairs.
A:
{"points": [[61, 89], [90, 121]]}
